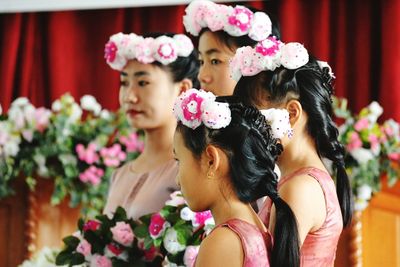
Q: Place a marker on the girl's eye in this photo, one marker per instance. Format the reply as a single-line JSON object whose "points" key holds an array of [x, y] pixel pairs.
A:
{"points": [[215, 61], [201, 62], [123, 83], [143, 83]]}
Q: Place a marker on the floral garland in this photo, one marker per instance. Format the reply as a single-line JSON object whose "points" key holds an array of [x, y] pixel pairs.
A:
{"points": [[373, 149], [87, 144], [170, 237]]}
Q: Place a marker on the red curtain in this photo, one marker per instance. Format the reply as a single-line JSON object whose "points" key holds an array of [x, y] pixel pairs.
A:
{"points": [[46, 54]]}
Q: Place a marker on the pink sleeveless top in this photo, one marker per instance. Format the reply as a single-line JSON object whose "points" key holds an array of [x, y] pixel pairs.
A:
{"points": [[319, 247], [255, 243]]}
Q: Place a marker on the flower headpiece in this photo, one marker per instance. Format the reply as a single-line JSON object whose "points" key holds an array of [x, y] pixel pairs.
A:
{"points": [[194, 107], [123, 47], [267, 55], [236, 21], [279, 121]]}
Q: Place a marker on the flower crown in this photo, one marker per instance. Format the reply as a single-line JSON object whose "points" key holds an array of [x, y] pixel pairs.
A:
{"points": [[194, 107], [123, 47], [236, 21], [268, 54]]}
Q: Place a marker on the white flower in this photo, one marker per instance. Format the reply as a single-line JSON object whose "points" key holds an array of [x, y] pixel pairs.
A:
{"points": [[364, 192], [17, 117], [360, 204], [68, 159], [361, 155], [375, 111], [76, 113], [41, 162], [105, 114], [171, 242], [89, 103], [28, 135], [11, 148], [167, 263], [187, 214], [56, 106], [29, 113], [20, 101]]}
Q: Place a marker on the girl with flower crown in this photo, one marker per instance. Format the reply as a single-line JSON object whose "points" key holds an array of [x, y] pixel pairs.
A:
{"points": [[285, 79], [226, 153], [221, 30], [154, 70]]}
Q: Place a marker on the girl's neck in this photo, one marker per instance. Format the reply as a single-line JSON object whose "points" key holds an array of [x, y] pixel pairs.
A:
{"points": [[158, 149], [299, 154]]}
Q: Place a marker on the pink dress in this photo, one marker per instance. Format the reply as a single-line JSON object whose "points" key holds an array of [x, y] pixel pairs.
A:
{"points": [[141, 193], [256, 244], [319, 247]]}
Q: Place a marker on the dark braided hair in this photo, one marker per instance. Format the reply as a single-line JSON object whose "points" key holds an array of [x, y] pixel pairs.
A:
{"points": [[312, 86], [252, 152]]}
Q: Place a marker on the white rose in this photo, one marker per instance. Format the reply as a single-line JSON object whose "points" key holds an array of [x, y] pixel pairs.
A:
{"points": [[17, 117], [187, 214], [20, 101], [360, 204], [376, 110], [105, 114], [76, 113], [56, 106], [171, 243], [11, 148], [89, 103], [361, 155], [28, 135], [364, 192], [29, 113]]}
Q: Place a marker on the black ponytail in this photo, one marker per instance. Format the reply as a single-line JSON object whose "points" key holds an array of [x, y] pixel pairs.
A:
{"points": [[312, 87], [251, 151]]}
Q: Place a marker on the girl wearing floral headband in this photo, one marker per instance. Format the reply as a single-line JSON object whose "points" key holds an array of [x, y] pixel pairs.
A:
{"points": [[221, 30], [154, 70], [285, 77], [226, 154]]}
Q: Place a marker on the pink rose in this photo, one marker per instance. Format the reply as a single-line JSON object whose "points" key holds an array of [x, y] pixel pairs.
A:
{"points": [[190, 255], [151, 253], [100, 261], [201, 217], [113, 156], [92, 175], [176, 199], [42, 117], [131, 142], [373, 139], [394, 156], [361, 124], [115, 248], [122, 233], [84, 248], [110, 51], [354, 142], [157, 225], [91, 225], [88, 155]]}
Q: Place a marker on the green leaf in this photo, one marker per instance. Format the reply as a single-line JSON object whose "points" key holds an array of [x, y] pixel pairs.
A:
{"points": [[77, 258], [141, 231], [31, 182], [148, 242], [63, 258], [71, 241]]}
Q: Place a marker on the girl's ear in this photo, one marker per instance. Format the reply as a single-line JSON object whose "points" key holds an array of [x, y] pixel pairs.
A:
{"points": [[295, 111], [185, 85], [212, 158]]}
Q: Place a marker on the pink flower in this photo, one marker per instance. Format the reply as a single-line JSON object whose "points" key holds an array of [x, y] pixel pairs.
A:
{"points": [[122, 233], [131, 142], [88, 155], [110, 51], [201, 217], [151, 253], [176, 199], [91, 225], [190, 255], [191, 107], [394, 156], [268, 47], [361, 124], [84, 248], [373, 139], [157, 225], [241, 18], [113, 156], [354, 142], [92, 175], [115, 248], [100, 261], [144, 51], [42, 117]]}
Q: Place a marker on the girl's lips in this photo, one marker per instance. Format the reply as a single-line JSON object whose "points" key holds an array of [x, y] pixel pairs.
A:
{"points": [[133, 112]]}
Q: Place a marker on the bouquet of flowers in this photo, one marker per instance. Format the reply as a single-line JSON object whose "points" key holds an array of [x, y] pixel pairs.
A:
{"points": [[373, 149], [46, 257], [175, 232], [76, 145], [103, 242]]}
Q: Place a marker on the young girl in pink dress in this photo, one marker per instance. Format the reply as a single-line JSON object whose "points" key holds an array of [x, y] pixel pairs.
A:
{"points": [[154, 70], [284, 78], [226, 155]]}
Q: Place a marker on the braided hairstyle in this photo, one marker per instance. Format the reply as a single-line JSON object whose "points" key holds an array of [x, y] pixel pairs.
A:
{"points": [[252, 152], [312, 86], [182, 67]]}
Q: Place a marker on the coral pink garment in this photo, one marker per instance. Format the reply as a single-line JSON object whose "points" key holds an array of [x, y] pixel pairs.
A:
{"points": [[141, 193], [256, 244], [319, 247]]}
